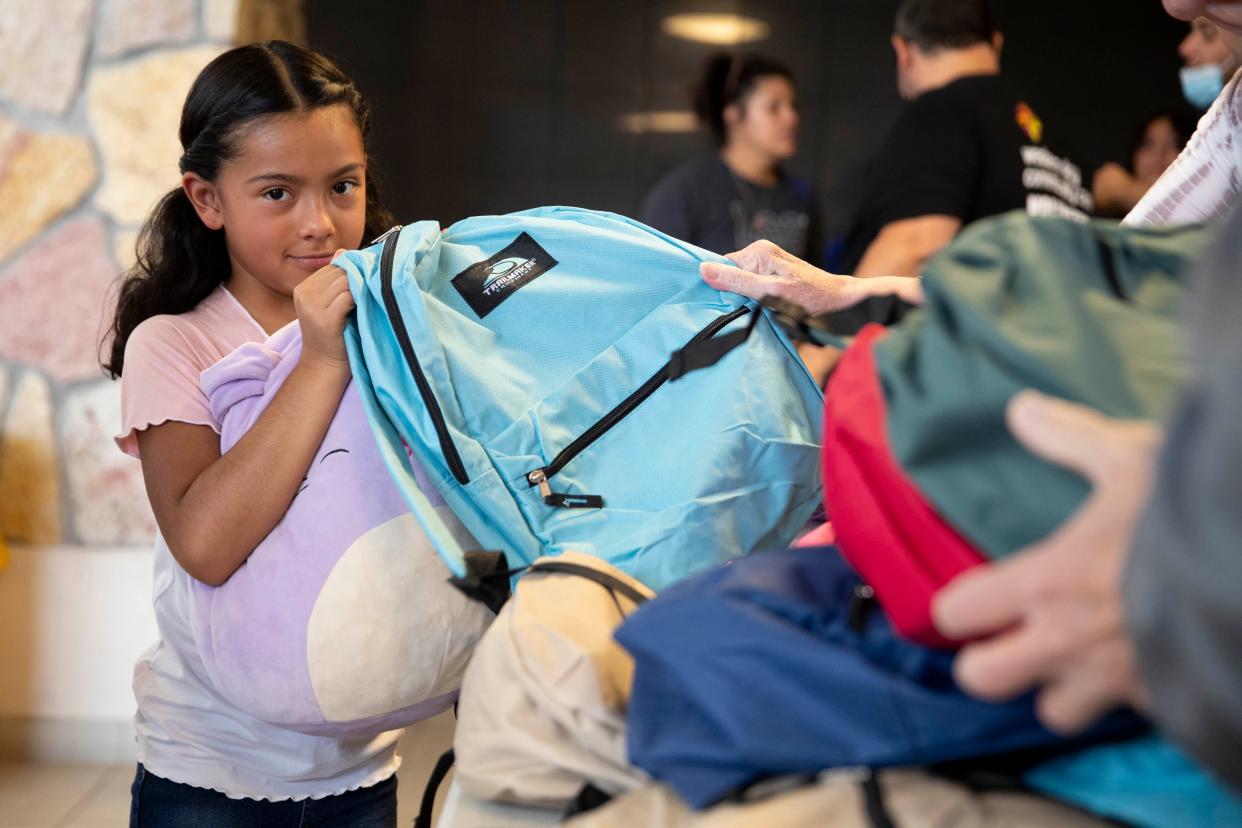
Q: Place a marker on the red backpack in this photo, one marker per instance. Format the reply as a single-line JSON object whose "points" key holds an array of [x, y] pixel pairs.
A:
{"points": [[922, 479]]}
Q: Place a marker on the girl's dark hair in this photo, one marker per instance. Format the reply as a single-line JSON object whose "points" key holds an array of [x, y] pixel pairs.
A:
{"points": [[728, 79], [179, 260], [1183, 122]]}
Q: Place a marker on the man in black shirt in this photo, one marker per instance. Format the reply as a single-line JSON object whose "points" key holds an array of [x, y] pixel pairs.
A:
{"points": [[964, 147]]}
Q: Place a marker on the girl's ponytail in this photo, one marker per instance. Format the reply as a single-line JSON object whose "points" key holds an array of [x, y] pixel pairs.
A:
{"points": [[180, 262]]}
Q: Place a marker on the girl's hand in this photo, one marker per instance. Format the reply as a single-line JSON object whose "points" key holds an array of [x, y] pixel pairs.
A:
{"points": [[322, 302], [766, 270]]}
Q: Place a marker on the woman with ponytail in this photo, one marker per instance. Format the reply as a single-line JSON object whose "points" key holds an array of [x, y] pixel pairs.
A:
{"points": [[274, 183], [740, 193]]}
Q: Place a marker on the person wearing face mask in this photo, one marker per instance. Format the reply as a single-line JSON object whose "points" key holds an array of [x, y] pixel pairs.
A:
{"points": [[1205, 181], [1209, 63], [741, 193], [964, 147], [1134, 599], [1151, 616]]}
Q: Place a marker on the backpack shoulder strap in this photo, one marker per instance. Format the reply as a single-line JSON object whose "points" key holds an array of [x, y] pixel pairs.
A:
{"points": [[604, 579]]}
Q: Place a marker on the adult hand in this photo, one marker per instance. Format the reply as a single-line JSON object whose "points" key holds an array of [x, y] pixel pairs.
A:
{"points": [[763, 269], [1051, 616], [322, 302]]}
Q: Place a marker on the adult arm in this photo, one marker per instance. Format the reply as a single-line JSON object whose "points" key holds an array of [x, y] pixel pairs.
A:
{"points": [[903, 246], [1183, 583], [1115, 191]]}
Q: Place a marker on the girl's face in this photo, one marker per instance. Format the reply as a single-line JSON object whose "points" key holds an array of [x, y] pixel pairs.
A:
{"points": [[1159, 149], [767, 118], [294, 193]]}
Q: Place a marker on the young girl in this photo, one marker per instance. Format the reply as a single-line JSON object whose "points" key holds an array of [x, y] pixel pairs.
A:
{"points": [[274, 182], [741, 193]]}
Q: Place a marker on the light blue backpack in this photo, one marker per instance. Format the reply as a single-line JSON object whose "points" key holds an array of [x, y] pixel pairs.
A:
{"points": [[534, 364]]}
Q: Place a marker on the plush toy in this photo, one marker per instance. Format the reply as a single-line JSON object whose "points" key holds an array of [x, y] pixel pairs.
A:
{"points": [[342, 620]]}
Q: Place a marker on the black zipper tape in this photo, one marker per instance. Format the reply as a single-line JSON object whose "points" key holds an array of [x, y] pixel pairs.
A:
{"points": [[616, 415], [704, 352], [447, 448], [1109, 265]]}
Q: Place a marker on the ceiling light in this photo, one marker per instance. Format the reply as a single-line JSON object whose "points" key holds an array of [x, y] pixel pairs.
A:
{"points": [[716, 29], [671, 120]]}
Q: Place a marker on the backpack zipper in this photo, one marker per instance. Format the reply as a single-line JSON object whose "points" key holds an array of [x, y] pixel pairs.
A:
{"points": [[1109, 263], [396, 228], [540, 476], [447, 448]]}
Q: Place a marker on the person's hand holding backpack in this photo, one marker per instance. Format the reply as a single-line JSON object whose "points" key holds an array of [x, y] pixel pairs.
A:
{"points": [[1051, 616], [763, 269]]}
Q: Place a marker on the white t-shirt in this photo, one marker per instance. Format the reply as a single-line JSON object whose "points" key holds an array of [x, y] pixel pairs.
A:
{"points": [[187, 732], [1204, 183]]}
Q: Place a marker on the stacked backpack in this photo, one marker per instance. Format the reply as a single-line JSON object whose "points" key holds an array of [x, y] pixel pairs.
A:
{"points": [[775, 665], [922, 477], [541, 368]]}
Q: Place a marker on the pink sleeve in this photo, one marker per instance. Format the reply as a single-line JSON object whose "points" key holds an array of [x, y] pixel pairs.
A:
{"points": [[160, 382]]}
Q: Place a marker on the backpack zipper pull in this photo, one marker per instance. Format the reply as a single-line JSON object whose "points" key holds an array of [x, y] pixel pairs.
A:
{"points": [[394, 229], [861, 601], [539, 477]]}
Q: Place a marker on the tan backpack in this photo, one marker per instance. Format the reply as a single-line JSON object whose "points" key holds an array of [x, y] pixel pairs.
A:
{"points": [[543, 701]]}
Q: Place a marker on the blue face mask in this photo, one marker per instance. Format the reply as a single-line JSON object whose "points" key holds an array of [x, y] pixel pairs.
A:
{"points": [[1201, 84]]}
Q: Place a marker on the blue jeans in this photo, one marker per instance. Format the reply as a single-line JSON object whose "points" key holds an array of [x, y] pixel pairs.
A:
{"points": [[159, 803]]}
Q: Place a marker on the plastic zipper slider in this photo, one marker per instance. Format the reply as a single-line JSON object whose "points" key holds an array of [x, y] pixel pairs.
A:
{"points": [[539, 477]]}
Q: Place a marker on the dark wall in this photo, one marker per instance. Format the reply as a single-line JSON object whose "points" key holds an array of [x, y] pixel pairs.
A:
{"points": [[487, 106]]}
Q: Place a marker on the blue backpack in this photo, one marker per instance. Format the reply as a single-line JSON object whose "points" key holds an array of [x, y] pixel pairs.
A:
{"points": [[784, 664], [541, 367]]}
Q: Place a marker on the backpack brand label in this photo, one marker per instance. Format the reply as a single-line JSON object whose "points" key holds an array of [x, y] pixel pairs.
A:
{"points": [[484, 285]]}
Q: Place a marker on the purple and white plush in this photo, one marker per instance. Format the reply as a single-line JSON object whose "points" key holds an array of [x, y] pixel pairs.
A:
{"points": [[341, 621]]}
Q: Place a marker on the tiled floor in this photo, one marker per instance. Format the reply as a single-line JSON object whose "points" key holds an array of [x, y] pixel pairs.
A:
{"points": [[97, 796]]}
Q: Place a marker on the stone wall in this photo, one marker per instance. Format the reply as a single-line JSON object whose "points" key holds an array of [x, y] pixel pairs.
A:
{"points": [[90, 96], [87, 144]]}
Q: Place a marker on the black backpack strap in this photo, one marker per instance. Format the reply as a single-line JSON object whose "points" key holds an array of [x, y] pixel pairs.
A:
{"points": [[1108, 263], [708, 352], [488, 574], [486, 579], [588, 799], [607, 581], [443, 765], [873, 801], [886, 310], [801, 326]]}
